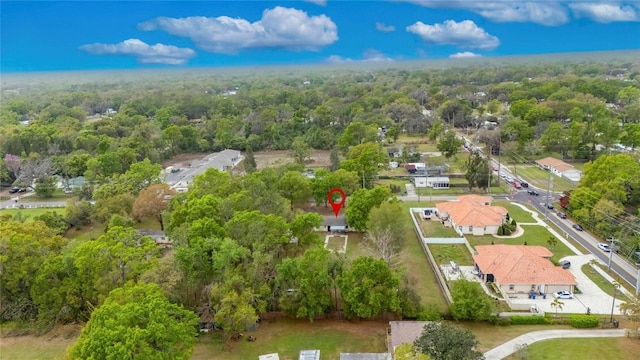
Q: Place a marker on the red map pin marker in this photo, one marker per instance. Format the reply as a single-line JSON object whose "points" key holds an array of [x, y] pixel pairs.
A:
{"points": [[336, 206]]}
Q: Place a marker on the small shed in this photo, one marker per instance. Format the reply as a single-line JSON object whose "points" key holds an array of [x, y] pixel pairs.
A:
{"points": [[438, 182], [309, 355], [273, 356]]}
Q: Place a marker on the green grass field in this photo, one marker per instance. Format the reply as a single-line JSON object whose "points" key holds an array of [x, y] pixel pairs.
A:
{"points": [[540, 178], [604, 284], [443, 253], [582, 348], [515, 211], [435, 229], [533, 235], [29, 214]]}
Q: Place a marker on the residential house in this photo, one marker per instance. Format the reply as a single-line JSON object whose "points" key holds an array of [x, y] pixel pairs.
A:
{"points": [[403, 332], [438, 182], [519, 270], [333, 223], [560, 168], [393, 152], [472, 214]]}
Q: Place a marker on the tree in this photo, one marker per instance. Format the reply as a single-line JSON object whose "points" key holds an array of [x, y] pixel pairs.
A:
{"points": [[137, 322], [470, 302], [250, 165], [631, 309], [46, 186], [449, 144], [368, 288], [295, 187], [324, 181], [445, 341], [517, 130], [365, 160], [355, 134], [386, 228], [303, 228], [552, 242], [361, 202], [152, 201], [306, 283], [300, 151], [334, 156], [557, 304], [477, 171], [408, 352]]}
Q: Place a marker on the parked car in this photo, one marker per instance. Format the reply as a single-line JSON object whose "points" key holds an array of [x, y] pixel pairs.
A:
{"points": [[549, 206], [565, 264], [517, 185], [532, 192], [577, 227], [604, 247], [562, 215], [563, 295], [503, 175], [14, 190]]}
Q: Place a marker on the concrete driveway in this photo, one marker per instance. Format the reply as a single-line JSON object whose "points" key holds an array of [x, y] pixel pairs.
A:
{"points": [[591, 295]]}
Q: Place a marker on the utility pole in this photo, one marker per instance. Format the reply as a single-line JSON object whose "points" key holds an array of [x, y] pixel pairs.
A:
{"points": [[490, 171], [615, 290], [548, 201], [612, 240]]}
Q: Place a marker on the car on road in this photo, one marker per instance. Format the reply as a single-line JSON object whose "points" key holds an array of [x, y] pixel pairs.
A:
{"points": [[524, 184], [604, 247], [509, 179], [14, 190], [577, 227], [517, 185], [563, 295], [549, 206], [562, 215], [533, 192], [503, 175]]}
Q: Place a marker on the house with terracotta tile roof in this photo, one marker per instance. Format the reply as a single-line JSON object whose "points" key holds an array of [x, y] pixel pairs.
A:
{"points": [[519, 270], [560, 168], [472, 214]]}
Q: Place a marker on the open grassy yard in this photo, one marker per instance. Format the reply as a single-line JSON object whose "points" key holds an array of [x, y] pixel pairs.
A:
{"points": [[533, 235], [443, 253], [540, 178], [335, 243], [51, 346], [29, 214], [288, 337], [515, 211], [602, 283], [581, 348], [490, 336], [434, 228]]}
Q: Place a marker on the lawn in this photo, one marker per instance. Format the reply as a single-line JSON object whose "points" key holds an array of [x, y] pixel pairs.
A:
{"points": [[582, 348], [434, 228], [533, 235], [604, 284], [335, 243], [515, 212], [540, 178], [413, 258], [426, 192], [29, 214], [51, 346], [490, 336], [288, 337], [443, 253]]}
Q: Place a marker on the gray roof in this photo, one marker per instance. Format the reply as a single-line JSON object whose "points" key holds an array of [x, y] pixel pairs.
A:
{"points": [[365, 356], [309, 355], [332, 220], [405, 332]]}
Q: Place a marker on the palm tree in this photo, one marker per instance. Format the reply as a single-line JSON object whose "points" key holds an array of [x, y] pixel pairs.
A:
{"points": [[557, 304], [593, 263], [552, 242]]}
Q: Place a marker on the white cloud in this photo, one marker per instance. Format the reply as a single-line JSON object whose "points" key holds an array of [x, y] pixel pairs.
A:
{"points": [[279, 28], [337, 59], [145, 53], [369, 55], [605, 12], [318, 2], [463, 55], [549, 13], [385, 28], [464, 34]]}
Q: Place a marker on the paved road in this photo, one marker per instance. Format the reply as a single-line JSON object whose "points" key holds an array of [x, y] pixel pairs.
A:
{"points": [[511, 346]]}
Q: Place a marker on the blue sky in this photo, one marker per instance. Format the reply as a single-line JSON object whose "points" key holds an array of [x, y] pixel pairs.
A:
{"points": [[83, 35]]}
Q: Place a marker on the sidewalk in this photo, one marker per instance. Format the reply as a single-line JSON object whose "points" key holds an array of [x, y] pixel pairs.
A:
{"points": [[511, 346]]}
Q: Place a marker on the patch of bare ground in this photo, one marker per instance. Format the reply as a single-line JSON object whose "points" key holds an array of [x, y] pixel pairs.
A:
{"points": [[275, 158], [183, 160]]}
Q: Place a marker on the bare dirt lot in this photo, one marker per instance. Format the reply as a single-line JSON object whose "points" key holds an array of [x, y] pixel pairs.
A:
{"points": [[183, 160], [264, 159]]}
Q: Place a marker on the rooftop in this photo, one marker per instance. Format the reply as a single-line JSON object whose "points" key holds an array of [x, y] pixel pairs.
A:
{"points": [[470, 210], [405, 332], [521, 264]]}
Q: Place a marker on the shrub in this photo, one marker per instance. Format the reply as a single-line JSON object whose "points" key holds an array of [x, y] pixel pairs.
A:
{"points": [[506, 230], [529, 320], [500, 321], [501, 230], [583, 321]]}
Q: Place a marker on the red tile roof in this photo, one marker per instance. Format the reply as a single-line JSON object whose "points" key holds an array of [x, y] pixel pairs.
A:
{"points": [[470, 210], [521, 264]]}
